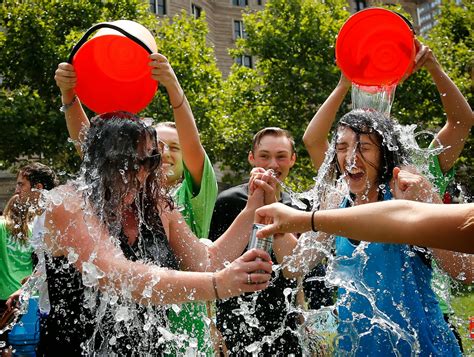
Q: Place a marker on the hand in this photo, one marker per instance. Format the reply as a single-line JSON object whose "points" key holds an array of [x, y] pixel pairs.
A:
{"points": [[233, 280], [162, 71], [409, 185], [262, 187], [424, 58], [283, 219], [65, 77], [13, 299], [344, 81]]}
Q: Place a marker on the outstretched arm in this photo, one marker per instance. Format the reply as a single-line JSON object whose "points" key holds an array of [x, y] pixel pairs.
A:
{"points": [[71, 228], [459, 114], [76, 119], [193, 151], [315, 137], [397, 221]]}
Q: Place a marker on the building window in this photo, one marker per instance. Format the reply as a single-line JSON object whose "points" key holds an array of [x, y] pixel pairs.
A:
{"points": [[245, 61], [196, 11], [158, 7], [259, 2], [360, 5], [239, 29], [240, 2]]}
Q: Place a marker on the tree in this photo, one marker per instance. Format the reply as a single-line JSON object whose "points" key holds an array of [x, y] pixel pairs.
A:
{"points": [[36, 36], [40, 34], [293, 41], [182, 40]]}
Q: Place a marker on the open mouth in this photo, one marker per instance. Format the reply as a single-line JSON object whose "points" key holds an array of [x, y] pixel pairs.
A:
{"points": [[356, 176]]}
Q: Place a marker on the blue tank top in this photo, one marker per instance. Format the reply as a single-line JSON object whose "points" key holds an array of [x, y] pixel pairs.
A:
{"points": [[397, 312]]}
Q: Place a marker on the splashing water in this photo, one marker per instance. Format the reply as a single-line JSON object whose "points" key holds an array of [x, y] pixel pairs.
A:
{"points": [[379, 98]]}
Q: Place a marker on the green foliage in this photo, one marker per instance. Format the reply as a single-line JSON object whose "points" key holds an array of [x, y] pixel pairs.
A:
{"points": [[182, 40], [40, 34], [293, 41]]}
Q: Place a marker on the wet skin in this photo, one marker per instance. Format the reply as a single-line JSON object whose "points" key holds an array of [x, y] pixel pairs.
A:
{"points": [[359, 162]]}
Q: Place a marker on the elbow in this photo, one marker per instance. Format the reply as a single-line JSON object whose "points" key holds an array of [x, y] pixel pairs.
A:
{"points": [[307, 140]]}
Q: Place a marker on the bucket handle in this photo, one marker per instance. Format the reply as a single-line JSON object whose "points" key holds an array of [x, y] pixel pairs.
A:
{"points": [[94, 28]]}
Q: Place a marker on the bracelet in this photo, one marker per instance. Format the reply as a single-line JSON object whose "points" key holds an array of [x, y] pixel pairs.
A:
{"points": [[214, 284], [64, 108], [313, 228], [180, 104]]}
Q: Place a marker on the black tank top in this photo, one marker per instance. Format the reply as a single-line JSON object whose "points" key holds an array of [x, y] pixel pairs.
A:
{"points": [[129, 329]]}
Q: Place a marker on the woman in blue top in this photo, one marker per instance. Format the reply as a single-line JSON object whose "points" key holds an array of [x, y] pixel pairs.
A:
{"points": [[386, 306]]}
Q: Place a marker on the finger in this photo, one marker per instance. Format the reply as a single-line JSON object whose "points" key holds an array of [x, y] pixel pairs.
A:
{"points": [[259, 278], [158, 57], [250, 288], [253, 254], [270, 229], [396, 171], [257, 170], [257, 265], [66, 66]]}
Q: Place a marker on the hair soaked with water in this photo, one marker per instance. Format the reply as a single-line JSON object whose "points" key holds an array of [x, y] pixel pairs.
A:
{"points": [[384, 128], [112, 159], [387, 137]]}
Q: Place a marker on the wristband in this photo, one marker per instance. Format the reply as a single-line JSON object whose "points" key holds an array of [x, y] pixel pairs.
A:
{"points": [[65, 107], [180, 104], [214, 284]]}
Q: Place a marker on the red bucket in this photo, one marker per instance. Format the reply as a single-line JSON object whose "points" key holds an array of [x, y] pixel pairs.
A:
{"points": [[112, 67], [375, 47]]}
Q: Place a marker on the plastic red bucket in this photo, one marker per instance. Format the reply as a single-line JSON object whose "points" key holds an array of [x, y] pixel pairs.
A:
{"points": [[112, 67], [375, 47]]}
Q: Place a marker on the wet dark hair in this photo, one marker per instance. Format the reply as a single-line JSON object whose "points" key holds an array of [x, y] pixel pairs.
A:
{"points": [[272, 131], [37, 173], [371, 122], [111, 164]]}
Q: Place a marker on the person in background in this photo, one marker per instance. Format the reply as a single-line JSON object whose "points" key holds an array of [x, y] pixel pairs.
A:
{"points": [[189, 172], [272, 149], [16, 253]]}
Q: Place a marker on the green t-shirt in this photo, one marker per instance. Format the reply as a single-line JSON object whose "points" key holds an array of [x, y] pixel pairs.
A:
{"points": [[197, 209], [441, 281], [440, 180], [15, 262]]}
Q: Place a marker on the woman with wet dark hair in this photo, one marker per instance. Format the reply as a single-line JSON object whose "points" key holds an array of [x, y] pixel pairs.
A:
{"points": [[115, 243], [385, 302]]}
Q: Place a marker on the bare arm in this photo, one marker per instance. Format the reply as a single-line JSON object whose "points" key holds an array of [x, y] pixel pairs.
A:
{"points": [[76, 119], [315, 137], [75, 230], [398, 221], [459, 114], [193, 151], [196, 256]]}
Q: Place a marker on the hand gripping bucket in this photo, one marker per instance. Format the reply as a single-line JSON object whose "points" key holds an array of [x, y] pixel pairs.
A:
{"points": [[112, 67], [375, 47]]}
